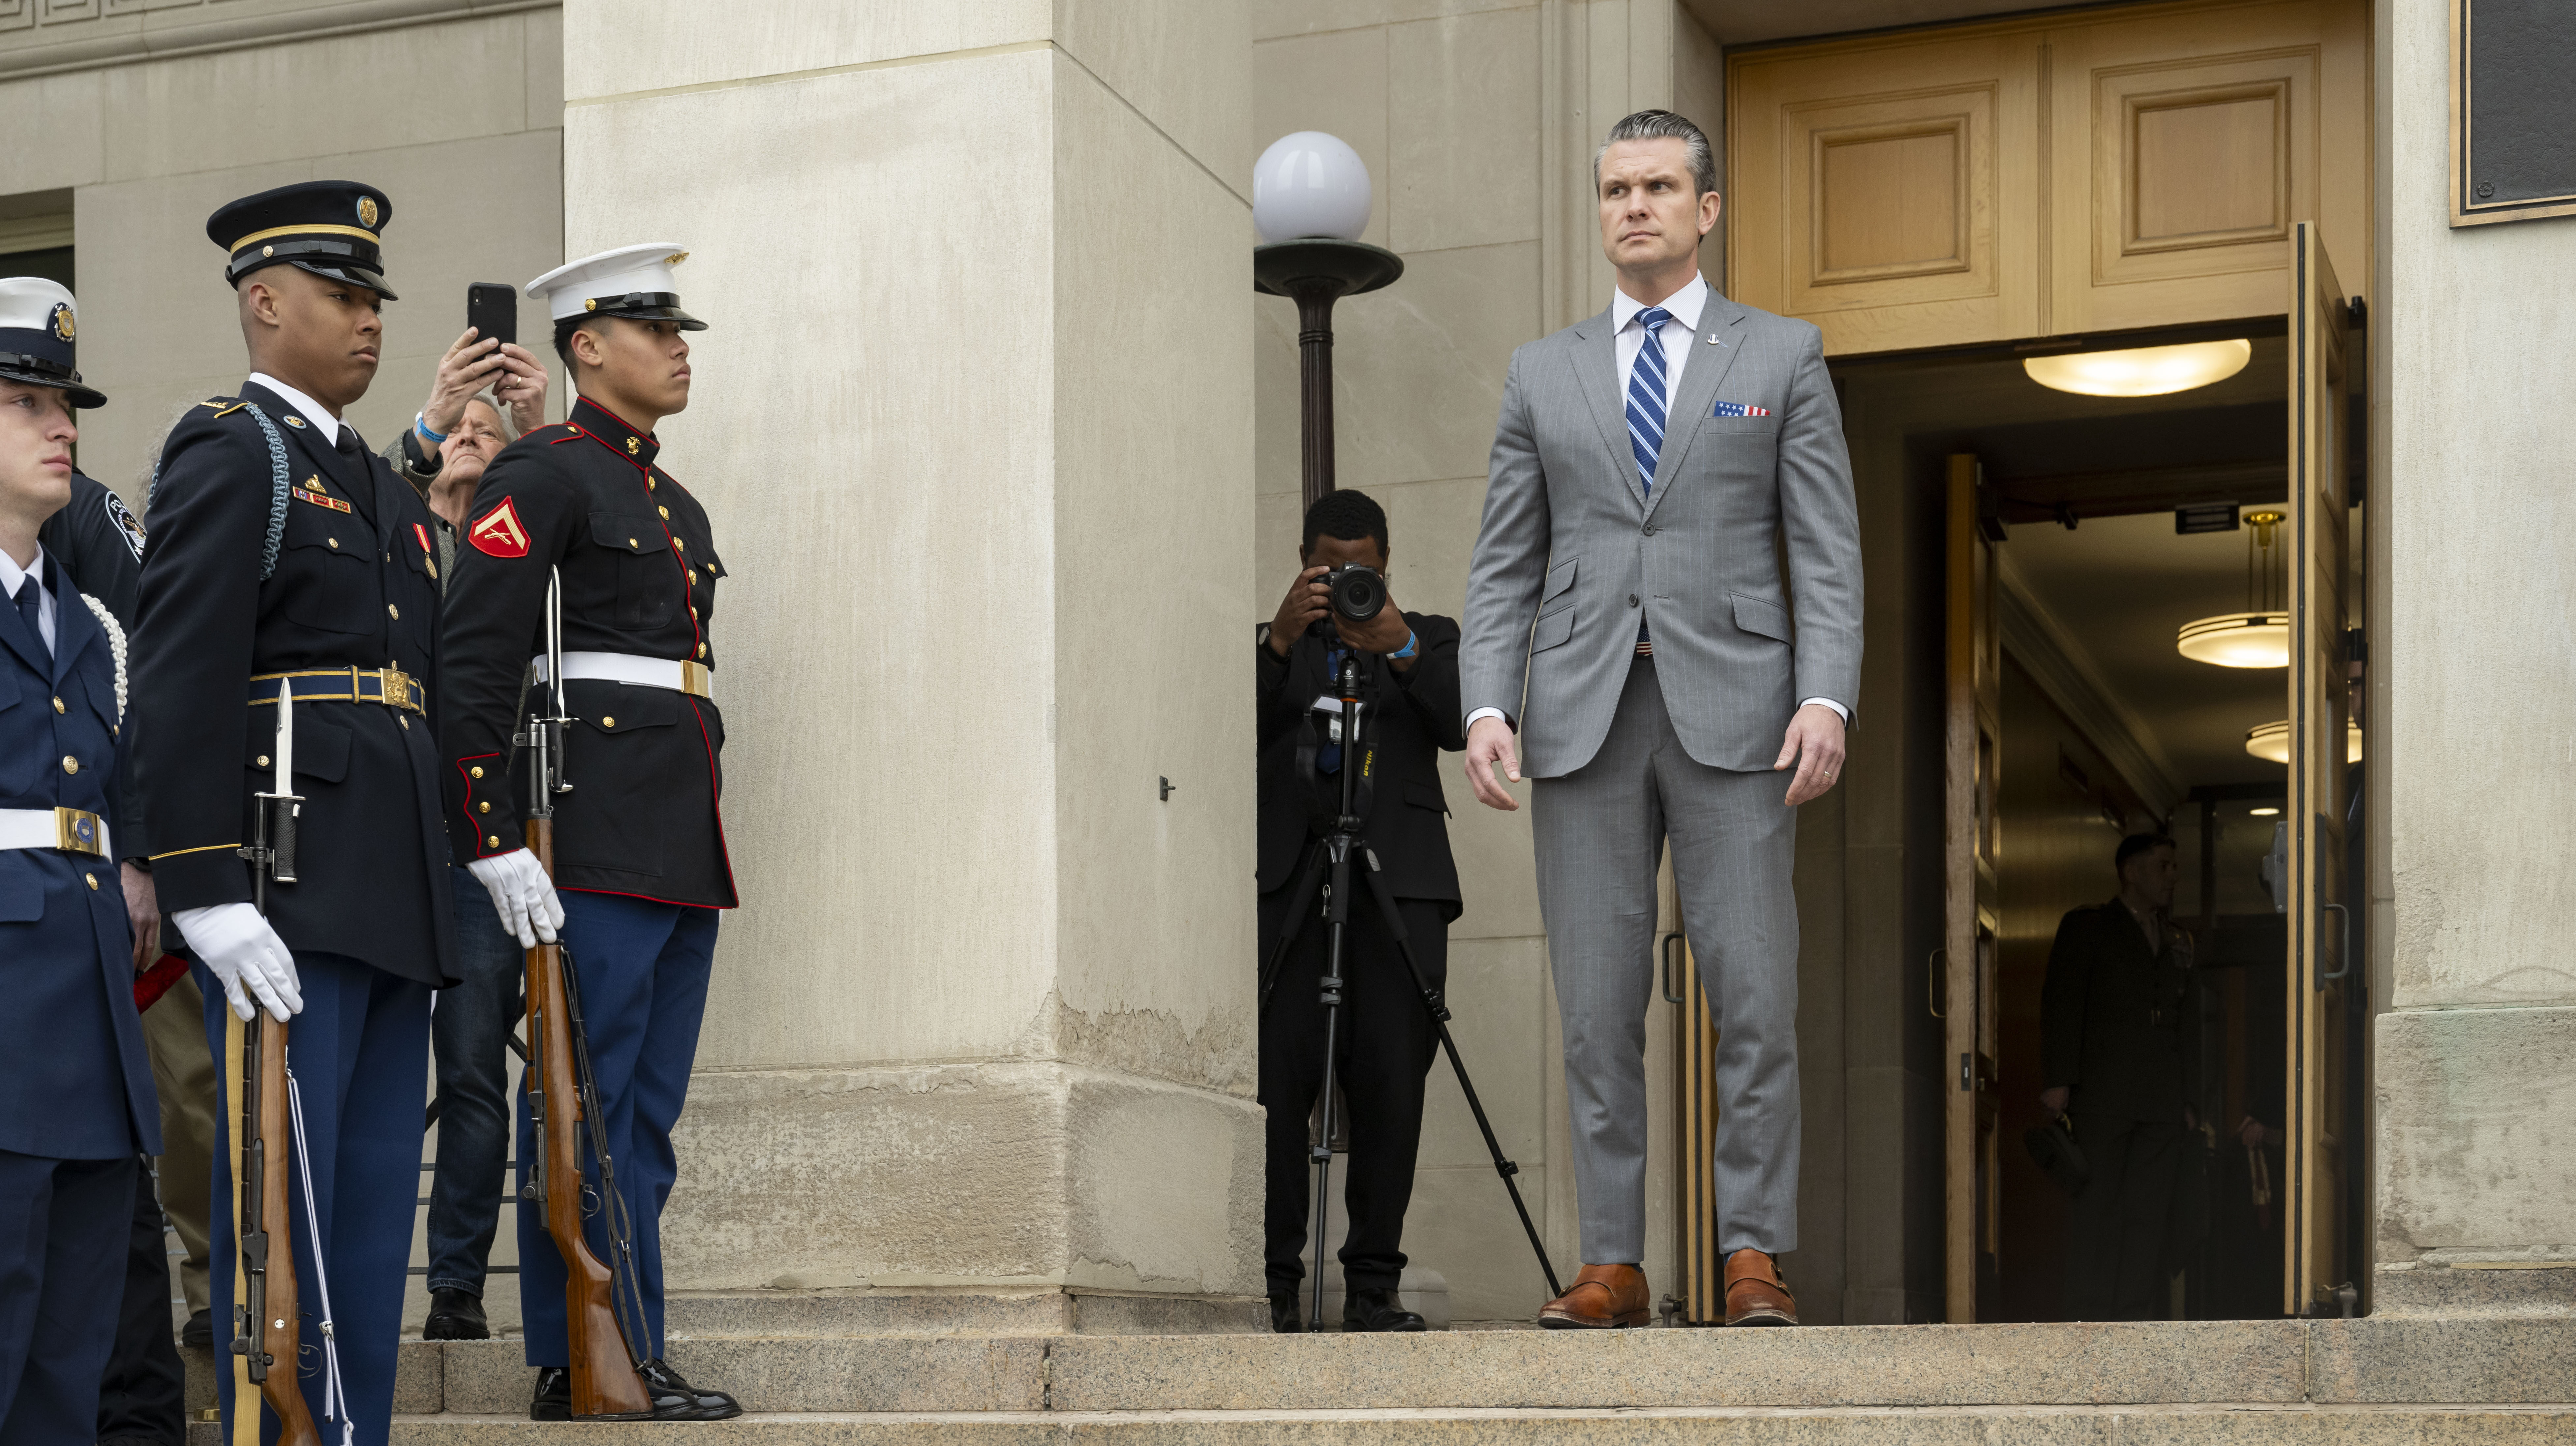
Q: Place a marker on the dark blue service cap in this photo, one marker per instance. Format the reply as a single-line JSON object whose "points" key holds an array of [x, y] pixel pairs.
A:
{"points": [[330, 228]]}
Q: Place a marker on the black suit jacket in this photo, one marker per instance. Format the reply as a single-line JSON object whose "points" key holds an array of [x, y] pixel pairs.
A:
{"points": [[352, 588], [1411, 717], [639, 571], [2113, 1016]]}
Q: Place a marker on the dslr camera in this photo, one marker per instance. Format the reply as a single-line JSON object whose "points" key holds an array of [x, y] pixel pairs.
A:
{"points": [[1358, 593]]}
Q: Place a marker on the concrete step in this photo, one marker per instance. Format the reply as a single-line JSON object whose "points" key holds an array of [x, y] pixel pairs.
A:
{"points": [[1868, 1426], [2394, 1361]]}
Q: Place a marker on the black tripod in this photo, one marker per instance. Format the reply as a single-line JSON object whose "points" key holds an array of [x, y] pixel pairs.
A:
{"points": [[1330, 863]]}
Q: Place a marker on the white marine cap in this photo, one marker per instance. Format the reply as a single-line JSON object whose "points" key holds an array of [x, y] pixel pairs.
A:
{"points": [[37, 331], [631, 281]]}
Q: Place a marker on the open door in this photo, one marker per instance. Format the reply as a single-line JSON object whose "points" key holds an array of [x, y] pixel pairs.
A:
{"points": [[1965, 970], [2320, 925]]}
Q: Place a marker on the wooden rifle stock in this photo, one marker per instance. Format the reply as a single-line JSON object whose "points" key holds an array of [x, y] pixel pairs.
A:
{"points": [[604, 1382], [266, 1333]]}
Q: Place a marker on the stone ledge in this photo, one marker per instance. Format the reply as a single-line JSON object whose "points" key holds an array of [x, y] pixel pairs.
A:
{"points": [[2294, 1426], [1034, 1310], [2369, 1363], [2418, 1289], [2218, 1361]]}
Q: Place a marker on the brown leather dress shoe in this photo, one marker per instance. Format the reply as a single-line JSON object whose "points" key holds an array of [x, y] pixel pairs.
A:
{"points": [[1603, 1297], [1754, 1294]]}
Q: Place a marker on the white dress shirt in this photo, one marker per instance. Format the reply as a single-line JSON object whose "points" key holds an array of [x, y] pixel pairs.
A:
{"points": [[311, 410], [11, 574], [1675, 336]]}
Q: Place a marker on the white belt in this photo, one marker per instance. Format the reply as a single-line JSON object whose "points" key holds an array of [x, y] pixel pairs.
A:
{"points": [[680, 675], [73, 830]]}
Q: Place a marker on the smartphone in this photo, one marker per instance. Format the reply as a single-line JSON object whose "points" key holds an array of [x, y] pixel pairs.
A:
{"points": [[492, 309]]}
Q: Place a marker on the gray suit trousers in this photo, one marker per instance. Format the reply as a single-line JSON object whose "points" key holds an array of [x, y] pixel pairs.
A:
{"points": [[1601, 831]]}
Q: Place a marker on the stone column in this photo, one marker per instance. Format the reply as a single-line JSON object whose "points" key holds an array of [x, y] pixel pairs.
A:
{"points": [[2475, 1048], [973, 418]]}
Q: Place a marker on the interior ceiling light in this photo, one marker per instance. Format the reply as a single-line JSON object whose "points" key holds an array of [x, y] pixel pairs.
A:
{"points": [[2141, 371], [2262, 813], [2271, 742], [2258, 637], [2238, 640]]}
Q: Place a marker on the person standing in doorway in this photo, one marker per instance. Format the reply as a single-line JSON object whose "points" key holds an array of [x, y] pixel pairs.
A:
{"points": [[2111, 1043], [1631, 625]]}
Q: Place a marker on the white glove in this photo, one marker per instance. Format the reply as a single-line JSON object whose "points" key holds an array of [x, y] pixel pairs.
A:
{"points": [[245, 953], [522, 893]]}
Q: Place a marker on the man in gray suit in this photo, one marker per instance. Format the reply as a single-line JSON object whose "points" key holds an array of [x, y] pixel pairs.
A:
{"points": [[1627, 613]]}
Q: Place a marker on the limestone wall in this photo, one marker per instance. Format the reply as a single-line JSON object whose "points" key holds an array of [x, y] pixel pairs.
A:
{"points": [[969, 418], [2472, 685]]}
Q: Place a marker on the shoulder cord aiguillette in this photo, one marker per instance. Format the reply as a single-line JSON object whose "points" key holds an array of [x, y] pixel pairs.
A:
{"points": [[277, 486], [115, 646]]}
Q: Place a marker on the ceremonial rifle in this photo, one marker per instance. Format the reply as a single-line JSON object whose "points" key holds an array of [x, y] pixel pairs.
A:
{"points": [[562, 1098], [266, 1326]]}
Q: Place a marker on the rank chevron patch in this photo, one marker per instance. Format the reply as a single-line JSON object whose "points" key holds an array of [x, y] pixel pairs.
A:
{"points": [[498, 532]]}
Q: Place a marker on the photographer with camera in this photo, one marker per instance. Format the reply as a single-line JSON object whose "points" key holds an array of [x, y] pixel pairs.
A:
{"points": [[1409, 689]]}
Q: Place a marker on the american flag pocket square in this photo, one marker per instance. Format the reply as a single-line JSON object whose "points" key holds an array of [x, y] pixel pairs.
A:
{"points": [[1738, 409]]}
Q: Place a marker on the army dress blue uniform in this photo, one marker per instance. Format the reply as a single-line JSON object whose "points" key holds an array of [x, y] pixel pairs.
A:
{"points": [[72, 1059], [347, 615], [640, 860]]}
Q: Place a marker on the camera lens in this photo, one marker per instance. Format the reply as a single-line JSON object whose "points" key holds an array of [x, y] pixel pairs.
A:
{"points": [[1358, 593]]}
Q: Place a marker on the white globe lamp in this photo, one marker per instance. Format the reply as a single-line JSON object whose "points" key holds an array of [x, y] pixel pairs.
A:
{"points": [[1310, 184]]}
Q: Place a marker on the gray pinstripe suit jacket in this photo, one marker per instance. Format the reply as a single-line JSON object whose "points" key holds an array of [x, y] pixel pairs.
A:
{"points": [[1573, 552]]}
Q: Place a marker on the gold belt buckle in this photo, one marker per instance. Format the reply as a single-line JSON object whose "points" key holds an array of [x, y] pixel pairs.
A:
{"points": [[399, 689], [77, 831], [696, 679]]}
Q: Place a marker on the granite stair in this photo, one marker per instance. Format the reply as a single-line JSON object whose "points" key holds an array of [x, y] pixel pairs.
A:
{"points": [[810, 1379]]}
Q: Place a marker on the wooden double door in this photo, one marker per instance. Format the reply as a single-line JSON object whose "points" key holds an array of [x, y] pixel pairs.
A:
{"points": [[2064, 174]]}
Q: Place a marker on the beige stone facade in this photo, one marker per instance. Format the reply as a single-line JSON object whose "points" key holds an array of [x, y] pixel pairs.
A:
{"points": [[1005, 451]]}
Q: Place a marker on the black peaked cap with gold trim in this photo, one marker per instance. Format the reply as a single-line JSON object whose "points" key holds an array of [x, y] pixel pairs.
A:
{"points": [[330, 228]]}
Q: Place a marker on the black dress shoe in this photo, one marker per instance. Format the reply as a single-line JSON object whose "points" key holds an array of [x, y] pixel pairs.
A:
{"points": [[671, 1402], [455, 1315], [199, 1332], [662, 1381], [1376, 1310], [1284, 1317]]}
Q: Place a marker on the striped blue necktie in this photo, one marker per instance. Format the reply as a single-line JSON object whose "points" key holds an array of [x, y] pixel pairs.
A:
{"points": [[1646, 413], [1646, 397]]}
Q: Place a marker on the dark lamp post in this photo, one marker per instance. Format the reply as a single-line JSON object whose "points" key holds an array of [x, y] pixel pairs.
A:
{"points": [[1317, 271]]}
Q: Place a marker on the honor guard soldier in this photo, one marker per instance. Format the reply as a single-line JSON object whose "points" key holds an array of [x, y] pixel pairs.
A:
{"points": [[639, 842], [284, 554], [72, 1061]]}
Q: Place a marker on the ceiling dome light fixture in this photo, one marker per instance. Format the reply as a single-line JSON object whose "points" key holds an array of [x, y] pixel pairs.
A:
{"points": [[2238, 640], [2258, 637], [2271, 742], [2141, 371]]}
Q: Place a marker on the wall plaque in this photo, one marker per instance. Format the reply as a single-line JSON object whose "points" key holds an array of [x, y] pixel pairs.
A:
{"points": [[2513, 111]]}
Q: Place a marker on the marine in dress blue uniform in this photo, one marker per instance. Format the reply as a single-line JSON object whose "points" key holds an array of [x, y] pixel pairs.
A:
{"points": [[282, 549], [72, 1059], [639, 843]]}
